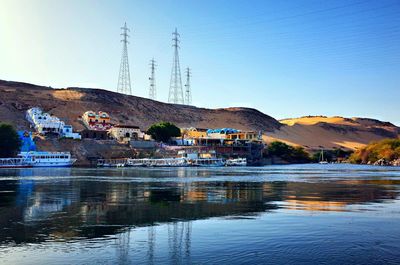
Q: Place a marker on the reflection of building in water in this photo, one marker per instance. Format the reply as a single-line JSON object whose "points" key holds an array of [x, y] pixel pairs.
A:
{"points": [[223, 193], [333, 196], [79, 205], [37, 202], [41, 206], [315, 205]]}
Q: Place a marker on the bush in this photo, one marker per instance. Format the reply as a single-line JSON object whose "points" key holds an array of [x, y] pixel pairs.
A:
{"points": [[163, 131], [10, 143], [387, 149], [287, 153]]}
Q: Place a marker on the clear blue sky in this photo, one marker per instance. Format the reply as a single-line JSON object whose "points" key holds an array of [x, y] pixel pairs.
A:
{"points": [[286, 58]]}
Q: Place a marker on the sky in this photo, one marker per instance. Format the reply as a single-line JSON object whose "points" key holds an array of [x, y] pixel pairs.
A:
{"points": [[286, 58]]}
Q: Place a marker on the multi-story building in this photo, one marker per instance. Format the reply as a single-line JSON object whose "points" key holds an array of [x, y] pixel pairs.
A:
{"points": [[247, 136], [97, 121], [194, 132], [44, 123]]}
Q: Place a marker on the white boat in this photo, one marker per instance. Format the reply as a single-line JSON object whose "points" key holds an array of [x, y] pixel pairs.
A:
{"points": [[322, 160], [17, 162], [184, 159], [236, 162], [202, 159], [48, 159], [156, 162], [206, 162]]}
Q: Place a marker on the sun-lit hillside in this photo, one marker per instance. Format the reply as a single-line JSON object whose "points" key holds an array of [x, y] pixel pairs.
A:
{"points": [[315, 132], [311, 132], [311, 120]]}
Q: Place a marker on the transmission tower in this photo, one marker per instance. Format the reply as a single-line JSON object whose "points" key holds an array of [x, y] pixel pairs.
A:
{"points": [[188, 92], [175, 86], [152, 78], [124, 78]]}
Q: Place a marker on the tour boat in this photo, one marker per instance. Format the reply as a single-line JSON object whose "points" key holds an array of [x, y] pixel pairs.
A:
{"points": [[206, 162], [18, 162], [202, 159], [238, 162], [48, 159], [184, 159]]}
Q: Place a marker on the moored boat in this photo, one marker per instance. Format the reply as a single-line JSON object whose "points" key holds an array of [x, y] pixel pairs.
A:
{"points": [[48, 159], [236, 162], [207, 162], [202, 159], [17, 162]]}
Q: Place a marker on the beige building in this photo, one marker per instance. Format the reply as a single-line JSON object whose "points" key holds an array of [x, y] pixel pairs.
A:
{"points": [[125, 133]]}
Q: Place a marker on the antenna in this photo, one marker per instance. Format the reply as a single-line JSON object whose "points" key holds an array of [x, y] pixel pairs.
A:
{"points": [[152, 78], [175, 87], [188, 92], [124, 79]]}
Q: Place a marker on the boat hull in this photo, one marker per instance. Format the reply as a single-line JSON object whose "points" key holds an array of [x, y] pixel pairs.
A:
{"points": [[17, 166]]}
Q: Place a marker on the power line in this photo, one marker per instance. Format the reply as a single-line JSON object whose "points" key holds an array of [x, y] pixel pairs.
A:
{"points": [[152, 78], [175, 88], [188, 92], [124, 78]]}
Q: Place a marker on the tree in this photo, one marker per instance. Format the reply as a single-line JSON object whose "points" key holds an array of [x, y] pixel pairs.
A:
{"points": [[387, 149], [287, 153], [163, 131], [9, 141]]}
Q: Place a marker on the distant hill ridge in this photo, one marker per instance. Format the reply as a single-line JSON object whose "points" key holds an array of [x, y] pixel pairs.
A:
{"points": [[312, 132]]}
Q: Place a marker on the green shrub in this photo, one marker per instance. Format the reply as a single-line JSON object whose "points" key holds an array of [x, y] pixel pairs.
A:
{"points": [[10, 143], [163, 131]]}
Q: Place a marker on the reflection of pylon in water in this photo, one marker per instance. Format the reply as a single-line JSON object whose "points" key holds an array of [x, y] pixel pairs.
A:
{"points": [[151, 237], [179, 241], [188, 240], [123, 241]]}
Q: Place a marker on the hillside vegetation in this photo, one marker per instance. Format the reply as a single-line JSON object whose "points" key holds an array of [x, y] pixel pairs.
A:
{"points": [[384, 152]]}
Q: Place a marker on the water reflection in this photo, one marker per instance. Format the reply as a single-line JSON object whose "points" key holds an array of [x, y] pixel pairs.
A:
{"points": [[42, 205]]}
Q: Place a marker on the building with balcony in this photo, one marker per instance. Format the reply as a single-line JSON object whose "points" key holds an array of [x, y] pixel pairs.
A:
{"points": [[44, 123], [97, 121]]}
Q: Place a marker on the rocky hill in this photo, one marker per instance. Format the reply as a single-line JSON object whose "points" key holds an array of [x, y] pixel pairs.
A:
{"points": [[69, 104]]}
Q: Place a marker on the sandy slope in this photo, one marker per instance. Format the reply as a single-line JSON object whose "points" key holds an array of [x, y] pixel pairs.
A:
{"points": [[317, 132]]}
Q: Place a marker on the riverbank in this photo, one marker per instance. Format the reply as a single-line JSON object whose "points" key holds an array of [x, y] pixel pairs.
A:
{"points": [[170, 216]]}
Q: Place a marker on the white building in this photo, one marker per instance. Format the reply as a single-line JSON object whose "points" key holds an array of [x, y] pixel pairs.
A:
{"points": [[67, 132], [44, 123]]}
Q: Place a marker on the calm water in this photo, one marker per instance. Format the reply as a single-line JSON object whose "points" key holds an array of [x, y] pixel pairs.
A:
{"points": [[298, 214]]}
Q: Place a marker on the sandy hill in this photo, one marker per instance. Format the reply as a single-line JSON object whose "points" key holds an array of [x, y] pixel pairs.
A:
{"points": [[315, 132], [312, 132]]}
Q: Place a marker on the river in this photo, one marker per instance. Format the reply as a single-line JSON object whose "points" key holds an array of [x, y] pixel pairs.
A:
{"points": [[295, 214]]}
